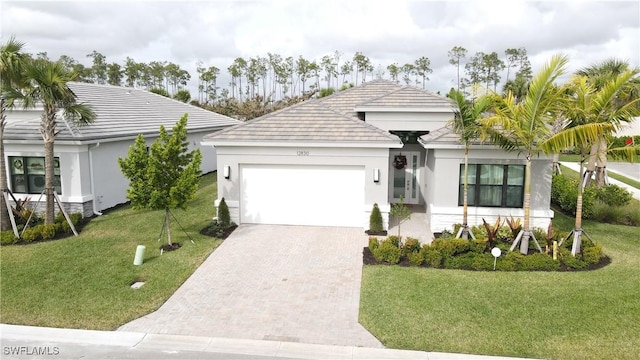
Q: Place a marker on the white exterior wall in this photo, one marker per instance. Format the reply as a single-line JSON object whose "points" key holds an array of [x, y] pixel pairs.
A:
{"points": [[442, 188], [408, 121], [78, 161], [370, 158]]}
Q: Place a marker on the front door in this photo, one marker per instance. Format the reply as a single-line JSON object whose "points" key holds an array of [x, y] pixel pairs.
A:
{"points": [[405, 169]]}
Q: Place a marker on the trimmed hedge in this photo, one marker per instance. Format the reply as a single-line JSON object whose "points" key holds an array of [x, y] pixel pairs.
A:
{"points": [[42, 232], [451, 253]]}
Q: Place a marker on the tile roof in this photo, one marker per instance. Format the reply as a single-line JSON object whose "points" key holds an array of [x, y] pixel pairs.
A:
{"points": [[121, 112], [409, 97], [330, 119], [310, 121]]}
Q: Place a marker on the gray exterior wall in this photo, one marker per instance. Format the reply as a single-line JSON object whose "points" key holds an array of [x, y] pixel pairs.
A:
{"points": [[408, 121], [442, 177], [370, 158]]}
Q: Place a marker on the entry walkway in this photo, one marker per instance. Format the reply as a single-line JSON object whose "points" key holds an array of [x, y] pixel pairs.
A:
{"points": [[270, 282], [417, 226]]}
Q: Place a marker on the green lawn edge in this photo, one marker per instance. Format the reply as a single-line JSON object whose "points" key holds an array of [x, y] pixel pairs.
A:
{"points": [[552, 315], [84, 282]]}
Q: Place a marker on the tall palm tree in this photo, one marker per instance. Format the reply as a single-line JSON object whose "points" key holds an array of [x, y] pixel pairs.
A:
{"points": [[11, 63], [523, 127], [592, 105], [465, 125], [47, 84], [599, 76]]}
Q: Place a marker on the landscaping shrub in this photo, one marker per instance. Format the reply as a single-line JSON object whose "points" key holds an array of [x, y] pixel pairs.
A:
{"points": [[32, 234], [479, 232], [574, 262], [373, 243], [224, 217], [482, 262], [463, 261], [431, 256], [592, 255], [478, 246], [48, 232], [411, 245], [388, 251], [608, 214], [504, 234], [8, 238], [415, 258], [632, 214], [375, 220], [613, 195], [564, 194], [395, 240], [538, 262]]}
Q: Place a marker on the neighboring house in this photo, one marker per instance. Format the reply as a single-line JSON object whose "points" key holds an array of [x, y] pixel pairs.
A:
{"points": [[327, 161], [88, 177]]}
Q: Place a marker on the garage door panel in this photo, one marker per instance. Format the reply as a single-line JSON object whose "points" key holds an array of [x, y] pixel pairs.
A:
{"points": [[302, 195]]}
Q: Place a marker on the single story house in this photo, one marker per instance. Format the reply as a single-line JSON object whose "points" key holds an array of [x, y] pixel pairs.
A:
{"points": [[326, 162], [88, 177]]}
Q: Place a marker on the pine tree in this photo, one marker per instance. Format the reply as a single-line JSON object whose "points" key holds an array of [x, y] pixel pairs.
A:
{"points": [[375, 220], [165, 177], [224, 218]]}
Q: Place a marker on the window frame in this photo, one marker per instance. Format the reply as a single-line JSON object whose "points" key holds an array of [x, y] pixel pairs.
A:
{"points": [[19, 169], [475, 186]]}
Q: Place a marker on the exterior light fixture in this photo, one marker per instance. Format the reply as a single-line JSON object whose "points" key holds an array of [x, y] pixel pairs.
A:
{"points": [[376, 175], [226, 172]]}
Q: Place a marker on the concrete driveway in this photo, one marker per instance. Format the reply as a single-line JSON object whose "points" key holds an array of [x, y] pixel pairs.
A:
{"points": [[271, 282]]}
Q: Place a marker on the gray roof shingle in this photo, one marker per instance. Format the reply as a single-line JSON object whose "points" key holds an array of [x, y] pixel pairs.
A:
{"points": [[411, 98], [332, 118], [121, 112]]}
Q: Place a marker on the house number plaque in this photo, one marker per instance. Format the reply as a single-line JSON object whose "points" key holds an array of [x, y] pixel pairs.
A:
{"points": [[302, 153]]}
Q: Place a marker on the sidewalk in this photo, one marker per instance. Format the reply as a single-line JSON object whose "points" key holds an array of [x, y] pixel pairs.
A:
{"points": [[171, 345], [634, 191]]}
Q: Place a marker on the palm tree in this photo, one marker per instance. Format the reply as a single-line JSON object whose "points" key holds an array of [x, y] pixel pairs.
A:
{"points": [[593, 105], [11, 63], [465, 125], [46, 83], [523, 127], [599, 76]]}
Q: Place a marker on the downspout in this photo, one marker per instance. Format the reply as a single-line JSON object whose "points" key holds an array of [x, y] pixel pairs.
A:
{"points": [[93, 193]]}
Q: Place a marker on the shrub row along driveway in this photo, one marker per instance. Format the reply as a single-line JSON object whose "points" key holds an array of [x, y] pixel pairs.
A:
{"points": [[268, 282]]}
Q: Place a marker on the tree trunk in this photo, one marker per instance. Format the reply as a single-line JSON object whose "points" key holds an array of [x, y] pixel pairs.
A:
{"points": [[524, 244], [601, 162], [5, 224], [591, 165], [464, 234], [48, 129], [167, 219], [555, 164], [577, 231]]}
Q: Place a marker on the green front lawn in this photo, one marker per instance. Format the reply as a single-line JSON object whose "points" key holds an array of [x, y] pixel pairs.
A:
{"points": [[84, 282], [557, 315]]}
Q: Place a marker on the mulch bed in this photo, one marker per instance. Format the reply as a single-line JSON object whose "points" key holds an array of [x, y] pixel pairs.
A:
{"points": [[214, 231], [167, 247]]}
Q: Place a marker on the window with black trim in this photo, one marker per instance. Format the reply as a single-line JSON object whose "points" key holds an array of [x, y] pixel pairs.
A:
{"points": [[493, 185], [27, 174]]}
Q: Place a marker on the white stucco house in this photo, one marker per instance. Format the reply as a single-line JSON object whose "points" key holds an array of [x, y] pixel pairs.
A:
{"points": [[88, 176], [327, 161]]}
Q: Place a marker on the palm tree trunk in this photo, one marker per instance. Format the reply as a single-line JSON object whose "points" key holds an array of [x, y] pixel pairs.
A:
{"points": [[591, 165], [601, 162], [48, 128], [5, 224], [464, 231], [577, 231], [555, 164], [526, 227]]}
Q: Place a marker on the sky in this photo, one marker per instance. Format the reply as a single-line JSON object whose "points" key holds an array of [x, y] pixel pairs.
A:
{"points": [[396, 31]]}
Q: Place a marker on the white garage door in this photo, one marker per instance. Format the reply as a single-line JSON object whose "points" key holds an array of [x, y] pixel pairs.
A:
{"points": [[302, 195]]}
